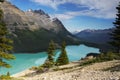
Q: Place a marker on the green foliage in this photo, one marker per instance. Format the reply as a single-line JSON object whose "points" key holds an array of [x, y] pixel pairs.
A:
{"points": [[63, 58], [40, 69], [1, 0], [5, 44], [5, 77], [115, 35], [31, 41], [51, 50], [102, 57], [8, 74], [88, 62], [34, 68], [48, 64], [65, 68], [109, 56], [50, 60]]}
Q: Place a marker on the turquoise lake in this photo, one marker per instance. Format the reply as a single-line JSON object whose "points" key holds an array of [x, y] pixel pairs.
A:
{"points": [[26, 60]]}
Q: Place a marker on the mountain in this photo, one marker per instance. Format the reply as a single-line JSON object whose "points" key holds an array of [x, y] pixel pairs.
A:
{"points": [[95, 36], [75, 32], [32, 30]]}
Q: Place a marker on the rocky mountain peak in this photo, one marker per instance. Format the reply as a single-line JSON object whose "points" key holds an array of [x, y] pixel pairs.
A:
{"points": [[30, 10], [40, 11], [31, 19]]}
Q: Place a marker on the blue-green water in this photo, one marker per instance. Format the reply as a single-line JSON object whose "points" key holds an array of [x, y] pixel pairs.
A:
{"points": [[25, 61]]}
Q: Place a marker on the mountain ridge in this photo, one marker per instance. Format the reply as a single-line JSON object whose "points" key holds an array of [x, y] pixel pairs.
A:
{"points": [[100, 36], [97, 38]]}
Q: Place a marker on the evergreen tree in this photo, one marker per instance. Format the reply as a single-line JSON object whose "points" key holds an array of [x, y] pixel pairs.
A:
{"points": [[115, 35], [2, 0], [8, 74], [50, 60], [5, 46], [63, 58]]}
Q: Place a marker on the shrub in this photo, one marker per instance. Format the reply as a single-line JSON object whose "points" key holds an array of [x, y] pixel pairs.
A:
{"points": [[102, 57], [40, 69], [88, 62], [34, 68], [5, 77], [48, 64]]}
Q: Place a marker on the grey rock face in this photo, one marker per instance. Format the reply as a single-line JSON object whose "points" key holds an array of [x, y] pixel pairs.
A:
{"points": [[33, 20]]}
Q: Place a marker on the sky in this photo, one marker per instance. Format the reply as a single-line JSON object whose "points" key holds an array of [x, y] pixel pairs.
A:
{"points": [[76, 15]]}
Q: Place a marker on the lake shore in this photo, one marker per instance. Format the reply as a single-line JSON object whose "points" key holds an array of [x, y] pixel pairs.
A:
{"points": [[25, 61], [28, 71], [75, 72]]}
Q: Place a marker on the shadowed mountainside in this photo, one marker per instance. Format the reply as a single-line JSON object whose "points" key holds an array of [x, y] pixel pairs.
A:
{"points": [[96, 38]]}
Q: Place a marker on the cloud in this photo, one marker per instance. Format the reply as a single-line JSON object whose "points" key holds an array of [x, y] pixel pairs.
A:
{"points": [[51, 3], [97, 8], [91, 13]]}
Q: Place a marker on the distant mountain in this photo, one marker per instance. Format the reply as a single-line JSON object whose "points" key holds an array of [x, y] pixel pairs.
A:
{"points": [[75, 32], [32, 30], [95, 36]]}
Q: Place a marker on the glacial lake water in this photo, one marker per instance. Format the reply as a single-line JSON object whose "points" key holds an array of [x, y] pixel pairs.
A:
{"points": [[26, 60]]}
